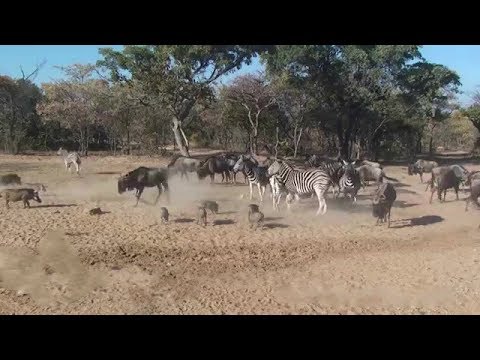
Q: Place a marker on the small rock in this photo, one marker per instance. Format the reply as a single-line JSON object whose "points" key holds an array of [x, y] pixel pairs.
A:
{"points": [[168, 264], [116, 267], [21, 292], [92, 262]]}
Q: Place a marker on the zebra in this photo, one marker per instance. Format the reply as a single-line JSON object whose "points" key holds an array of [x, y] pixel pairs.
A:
{"points": [[255, 174], [278, 189], [335, 170], [350, 181], [69, 159], [301, 182]]}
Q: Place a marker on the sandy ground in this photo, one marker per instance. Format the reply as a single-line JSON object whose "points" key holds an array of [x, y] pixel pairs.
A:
{"points": [[55, 258]]}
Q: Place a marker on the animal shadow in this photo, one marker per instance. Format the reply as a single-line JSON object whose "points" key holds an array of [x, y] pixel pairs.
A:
{"points": [[76, 233], [273, 218], [275, 225], [108, 173], [420, 221], [403, 204], [224, 222], [184, 220], [53, 206]]}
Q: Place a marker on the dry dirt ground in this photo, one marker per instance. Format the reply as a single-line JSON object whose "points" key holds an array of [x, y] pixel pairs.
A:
{"points": [[55, 258]]}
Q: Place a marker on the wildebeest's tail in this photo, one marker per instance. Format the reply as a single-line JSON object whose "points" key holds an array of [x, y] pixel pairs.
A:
{"points": [[431, 182], [390, 178], [170, 164]]}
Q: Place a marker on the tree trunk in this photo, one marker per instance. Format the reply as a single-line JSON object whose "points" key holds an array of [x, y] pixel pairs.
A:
{"points": [[476, 146], [430, 146], [296, 140], [277, 141], [253, 140], [180, 138]]}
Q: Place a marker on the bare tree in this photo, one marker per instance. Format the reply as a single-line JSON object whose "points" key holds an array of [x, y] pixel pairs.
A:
{"points": [[255, 95]]}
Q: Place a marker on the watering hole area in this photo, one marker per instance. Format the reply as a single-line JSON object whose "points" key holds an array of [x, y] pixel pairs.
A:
{"points": [[56, 258]]}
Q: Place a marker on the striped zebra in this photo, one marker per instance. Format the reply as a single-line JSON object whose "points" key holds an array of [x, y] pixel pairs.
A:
{"points": [[335, 170], [350, 181], [69, 159], [301, 182], [255, 174], [278, 189]]}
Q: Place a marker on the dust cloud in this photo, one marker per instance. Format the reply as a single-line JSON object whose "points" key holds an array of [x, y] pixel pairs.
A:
{"points": [[54, 275]]}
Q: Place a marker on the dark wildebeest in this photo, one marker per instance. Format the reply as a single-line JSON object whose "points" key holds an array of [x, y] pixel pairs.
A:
{"points": [[474, 194], [14, 195], [183, 165], [10, 179], [420, 167], [460, 172], [383, 200], [368, 162], [474, 175], [143, 177], [447, 178], [213, 165]]}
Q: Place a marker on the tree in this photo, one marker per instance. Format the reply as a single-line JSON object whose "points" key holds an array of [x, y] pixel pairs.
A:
{"points": [[255, 95], [18, 100], [175, 77], [75, 102], [296, 104], [473, 114]]}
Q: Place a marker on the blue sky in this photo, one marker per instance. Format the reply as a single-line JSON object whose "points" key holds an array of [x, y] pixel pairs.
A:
{"points": [[464, 59]]}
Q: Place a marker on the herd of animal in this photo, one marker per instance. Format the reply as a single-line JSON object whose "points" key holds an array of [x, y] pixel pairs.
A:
{"points": [[283, 178]]}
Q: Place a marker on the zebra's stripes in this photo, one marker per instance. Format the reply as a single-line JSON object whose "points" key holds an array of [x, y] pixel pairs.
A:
{"points": [[255, 175], [350, 181], [335, 171], [277, 189], [301, 182], [69, 159]]}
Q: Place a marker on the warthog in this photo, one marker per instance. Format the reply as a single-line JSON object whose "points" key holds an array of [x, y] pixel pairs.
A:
{"points": [[14, 195]]}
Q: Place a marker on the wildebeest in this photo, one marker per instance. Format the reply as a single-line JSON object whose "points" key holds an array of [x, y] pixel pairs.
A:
{"points": [[460, 172], [10, 179], [446, 179], [383, 200], [184, 165], [213, 165], [14, 195], [143, 177], [474, 175], [69, 159], [231, 160], [420, 167], [370, 173], [369, 163], [474, 194]]}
